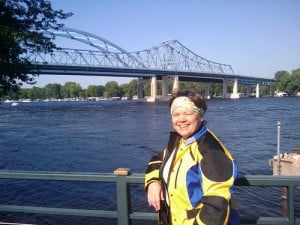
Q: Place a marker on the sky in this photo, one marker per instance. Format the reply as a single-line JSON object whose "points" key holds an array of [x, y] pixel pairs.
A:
{"points": [[256, 37]]}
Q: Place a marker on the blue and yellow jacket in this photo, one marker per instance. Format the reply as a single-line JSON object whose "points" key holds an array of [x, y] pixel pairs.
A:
{"points": [[198, 177]]}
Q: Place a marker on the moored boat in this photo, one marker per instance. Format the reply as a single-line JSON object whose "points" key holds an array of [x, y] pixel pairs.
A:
{"points": [[280, 94]]}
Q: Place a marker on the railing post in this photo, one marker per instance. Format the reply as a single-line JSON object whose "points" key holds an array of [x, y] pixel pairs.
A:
{"points": [[278, 149], [291, 205], [123, 196]]}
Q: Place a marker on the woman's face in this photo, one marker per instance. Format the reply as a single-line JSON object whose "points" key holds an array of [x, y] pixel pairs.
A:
{"points": [[186, 122]]}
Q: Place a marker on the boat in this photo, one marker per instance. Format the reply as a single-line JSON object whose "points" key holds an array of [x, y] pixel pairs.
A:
{"points": [[280, 94]]}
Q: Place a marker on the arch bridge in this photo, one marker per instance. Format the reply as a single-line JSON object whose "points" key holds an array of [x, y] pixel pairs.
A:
{"points": [[169, 61]]}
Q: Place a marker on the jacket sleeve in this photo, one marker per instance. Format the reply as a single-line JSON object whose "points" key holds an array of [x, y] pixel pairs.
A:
{"points": [[152, 172], [217, 180]]}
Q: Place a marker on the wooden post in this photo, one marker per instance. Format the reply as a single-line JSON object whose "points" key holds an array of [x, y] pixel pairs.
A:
{"points": [[123, 195], [122, 172]]}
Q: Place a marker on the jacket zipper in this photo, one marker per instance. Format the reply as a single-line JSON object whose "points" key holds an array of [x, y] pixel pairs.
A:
{"points": [[176, 177]]}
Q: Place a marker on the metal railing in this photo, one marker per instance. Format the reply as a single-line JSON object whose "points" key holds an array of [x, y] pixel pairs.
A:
{"points": [[123, 182]]}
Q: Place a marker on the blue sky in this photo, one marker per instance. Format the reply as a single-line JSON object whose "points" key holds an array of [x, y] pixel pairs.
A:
{"points": [[256, 37]]}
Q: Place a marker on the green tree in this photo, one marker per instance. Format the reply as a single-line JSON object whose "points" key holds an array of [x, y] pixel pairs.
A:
{"points": [[24, 93], [147, 89], [71, 90], [53, 91], [294, 84], [282, 79], [193, 85], [112, 89], [130, 89], [217, 89], [20, 23], [37, 93], [124, 89], [94, 91]]}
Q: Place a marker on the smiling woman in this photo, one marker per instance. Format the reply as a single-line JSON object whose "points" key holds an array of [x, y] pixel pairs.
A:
{"points": [[191, 181], [186, 116]]}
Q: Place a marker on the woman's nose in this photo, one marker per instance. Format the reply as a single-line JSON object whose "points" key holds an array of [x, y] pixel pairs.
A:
{"points": [[181, 117]]}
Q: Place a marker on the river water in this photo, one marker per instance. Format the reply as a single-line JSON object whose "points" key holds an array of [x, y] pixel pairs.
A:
{"points": [[102, 136]]}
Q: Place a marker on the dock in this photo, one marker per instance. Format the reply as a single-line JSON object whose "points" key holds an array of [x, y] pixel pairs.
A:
{"points": [[288, 163]]}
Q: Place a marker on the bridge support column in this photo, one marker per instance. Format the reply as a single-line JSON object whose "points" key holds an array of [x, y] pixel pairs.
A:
{"points": [[207, 90], [153, 90], [235, 94], [257, 91], [175, 84], [224, 95], [165, 91]]}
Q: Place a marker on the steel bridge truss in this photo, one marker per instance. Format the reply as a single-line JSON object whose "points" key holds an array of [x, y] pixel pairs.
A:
{"points": [[170, 55]]}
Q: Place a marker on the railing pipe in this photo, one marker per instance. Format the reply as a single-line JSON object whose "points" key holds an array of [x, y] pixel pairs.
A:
{"points": [[123, 200], [278, 149], [123, 181], [291, 209]]}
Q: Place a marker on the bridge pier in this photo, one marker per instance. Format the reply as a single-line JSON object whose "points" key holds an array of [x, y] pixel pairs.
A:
{"points": [[153, 89], [207, 90], [235, 94], [257, 91], [175, 84], [165, 91], [175, 79]]}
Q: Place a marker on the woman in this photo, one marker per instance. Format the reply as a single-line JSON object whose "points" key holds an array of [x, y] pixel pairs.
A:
{"points": [[191, 181]]}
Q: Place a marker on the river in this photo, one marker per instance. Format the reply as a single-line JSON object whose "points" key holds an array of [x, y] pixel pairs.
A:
{"points": [[102, 136]]}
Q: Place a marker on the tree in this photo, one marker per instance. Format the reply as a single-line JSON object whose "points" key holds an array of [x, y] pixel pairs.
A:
{"points": [[53, 91], [294, 84], [112, 89], [282, 79], [37, 93], [71, 90], [94, 91], [130, 89], [193, 85], [20, 24]]}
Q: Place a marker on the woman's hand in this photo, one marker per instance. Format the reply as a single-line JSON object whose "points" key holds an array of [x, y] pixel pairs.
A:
{"points": [[155, 195]]}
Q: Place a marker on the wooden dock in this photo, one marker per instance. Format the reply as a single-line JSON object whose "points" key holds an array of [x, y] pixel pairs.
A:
{"points": [[289, 164]]}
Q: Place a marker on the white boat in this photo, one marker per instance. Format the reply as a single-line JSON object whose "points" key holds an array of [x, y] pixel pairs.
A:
{"points": [[280, 94], [26, 100]]}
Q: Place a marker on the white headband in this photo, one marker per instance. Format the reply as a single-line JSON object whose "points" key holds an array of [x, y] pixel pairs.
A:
{"points": [[185, 102]]}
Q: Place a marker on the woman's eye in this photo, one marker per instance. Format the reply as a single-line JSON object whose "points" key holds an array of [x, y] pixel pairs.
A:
{"points": [[188, 113]]}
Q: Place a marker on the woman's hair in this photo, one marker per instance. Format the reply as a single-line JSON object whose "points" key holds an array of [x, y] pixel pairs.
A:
{"points": [[193, 95]]}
